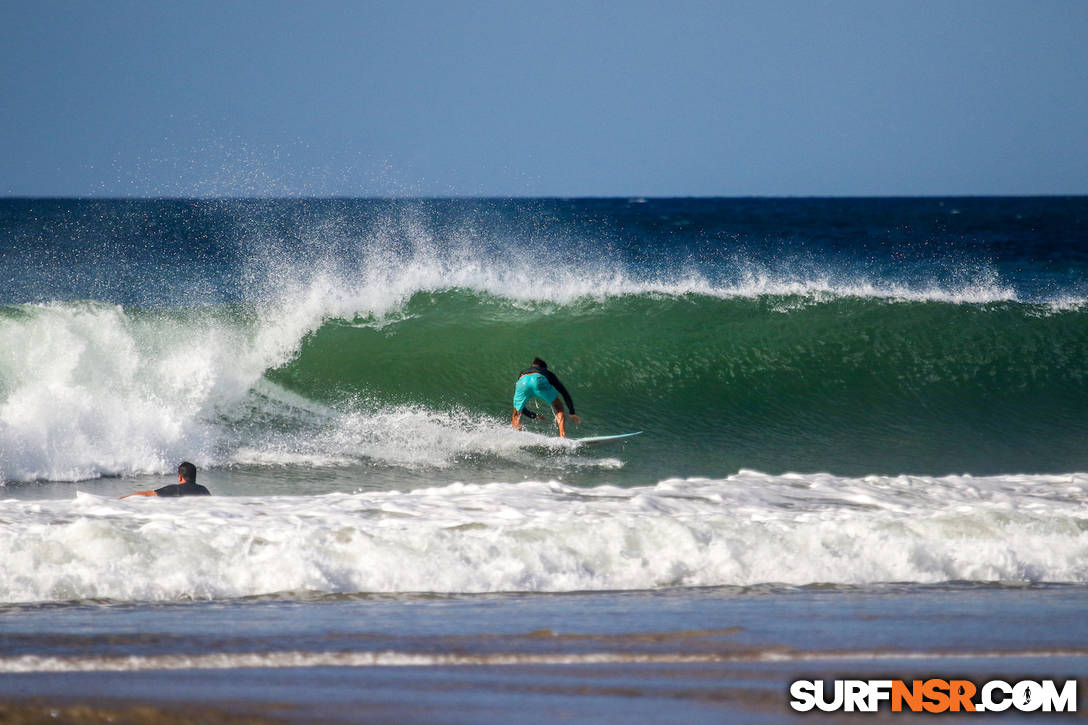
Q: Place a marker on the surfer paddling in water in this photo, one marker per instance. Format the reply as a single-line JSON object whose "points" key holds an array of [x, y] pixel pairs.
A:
{"points": [[539, 382], [186, 485]]}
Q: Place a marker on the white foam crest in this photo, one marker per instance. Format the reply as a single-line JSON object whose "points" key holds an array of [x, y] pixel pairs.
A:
{"points": [[384, 271], [744, 530], [816, 288], [294, 659], [393, 658], [383, 292], [89, 389]]}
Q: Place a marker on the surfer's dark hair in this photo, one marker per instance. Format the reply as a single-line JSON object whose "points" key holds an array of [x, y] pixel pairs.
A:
{"points": [[187, 471], [537, 362]]}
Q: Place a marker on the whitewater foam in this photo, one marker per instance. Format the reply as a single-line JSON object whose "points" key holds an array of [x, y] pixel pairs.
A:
{"points": [[407, 436], [392, 658], [743, 530], [91, 389]]}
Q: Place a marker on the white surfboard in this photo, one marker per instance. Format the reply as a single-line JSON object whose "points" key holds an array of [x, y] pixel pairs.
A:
{"points": [[605, 440]]}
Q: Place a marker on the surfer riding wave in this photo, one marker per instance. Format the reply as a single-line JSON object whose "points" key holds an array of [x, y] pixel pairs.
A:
{"points": [[539, 382]]}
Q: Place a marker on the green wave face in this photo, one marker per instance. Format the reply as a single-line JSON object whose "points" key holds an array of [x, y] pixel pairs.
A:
{"points": [[852, 385]]}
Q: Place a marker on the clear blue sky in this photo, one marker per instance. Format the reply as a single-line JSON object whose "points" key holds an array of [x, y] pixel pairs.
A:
{"points": [[619, 98]]}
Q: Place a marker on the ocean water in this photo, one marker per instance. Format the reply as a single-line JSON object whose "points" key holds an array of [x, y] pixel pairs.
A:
{"points": [[853, 404]]}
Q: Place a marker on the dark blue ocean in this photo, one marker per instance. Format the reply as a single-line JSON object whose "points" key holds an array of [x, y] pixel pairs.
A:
{"points": [[849, 408]]}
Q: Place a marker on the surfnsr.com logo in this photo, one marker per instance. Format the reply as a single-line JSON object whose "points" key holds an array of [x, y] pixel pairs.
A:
{"points": [[934, 696]]}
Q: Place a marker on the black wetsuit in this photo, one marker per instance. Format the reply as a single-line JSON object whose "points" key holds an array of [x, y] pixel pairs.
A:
{"points": [[551, 378], [182, 489]]}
